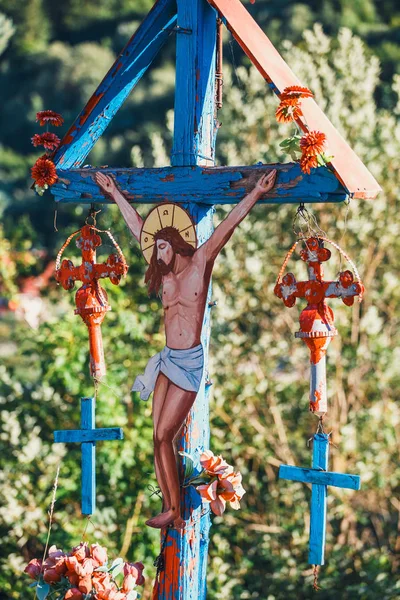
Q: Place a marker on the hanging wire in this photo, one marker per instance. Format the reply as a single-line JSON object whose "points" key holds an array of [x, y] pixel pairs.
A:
{"points": [[88, 520], [316, 587]]}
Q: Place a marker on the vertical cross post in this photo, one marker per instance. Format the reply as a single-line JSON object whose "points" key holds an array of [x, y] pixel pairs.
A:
{"points": [[87, 436], [185, 553], [320, 478]]}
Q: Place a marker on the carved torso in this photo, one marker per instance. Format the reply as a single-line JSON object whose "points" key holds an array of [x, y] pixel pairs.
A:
{"points": [[184, 296]]}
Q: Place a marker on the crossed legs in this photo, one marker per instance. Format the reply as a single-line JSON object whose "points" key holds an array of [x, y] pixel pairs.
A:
{"points": [[171, 405]]}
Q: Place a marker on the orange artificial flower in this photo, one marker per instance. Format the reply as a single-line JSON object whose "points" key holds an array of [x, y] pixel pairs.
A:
{"points": [[44, 172], [49, 116], [73, 594], [307, 163], [85, 584], [288, 111], [49, 140], [295, 91], [312, 143], [101, 581], [98, 554], [214, 465]]}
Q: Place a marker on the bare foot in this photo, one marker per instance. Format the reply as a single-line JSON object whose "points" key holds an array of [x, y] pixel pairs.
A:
{"points": [[179, 523], [164, 519]]}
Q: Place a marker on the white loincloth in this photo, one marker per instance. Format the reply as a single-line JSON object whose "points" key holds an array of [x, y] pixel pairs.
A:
{"points": [[184, 368]]}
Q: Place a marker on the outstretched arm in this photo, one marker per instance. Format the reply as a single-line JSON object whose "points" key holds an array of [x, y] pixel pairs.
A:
{"points": [[109, 188], [223, 232]]}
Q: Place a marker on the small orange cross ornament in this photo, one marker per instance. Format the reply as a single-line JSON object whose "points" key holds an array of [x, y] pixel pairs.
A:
{"points": [[91, 299]]}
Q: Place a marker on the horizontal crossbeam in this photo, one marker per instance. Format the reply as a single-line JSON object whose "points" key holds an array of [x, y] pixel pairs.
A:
{"points": [[89, 435], [129, 67], [351, 482], [204, 185]]}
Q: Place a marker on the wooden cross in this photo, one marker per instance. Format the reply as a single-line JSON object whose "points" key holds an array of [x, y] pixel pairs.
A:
{"points": [[91, 299], [193, 179], [88, 435], [317, 319], [320, 478]]}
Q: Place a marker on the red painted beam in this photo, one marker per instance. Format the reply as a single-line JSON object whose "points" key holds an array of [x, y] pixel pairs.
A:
{"points": [[350, 170]]}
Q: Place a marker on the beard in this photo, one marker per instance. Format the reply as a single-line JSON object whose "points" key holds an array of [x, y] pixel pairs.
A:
{"points": [[164, 268]]}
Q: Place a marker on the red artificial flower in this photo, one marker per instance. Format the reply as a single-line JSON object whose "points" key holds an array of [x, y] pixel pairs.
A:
{"points": [[312, 143], [49, 116], [49, 140], [296, 91], [287, 112], [307, 163], [34, 568], [44, 172]]}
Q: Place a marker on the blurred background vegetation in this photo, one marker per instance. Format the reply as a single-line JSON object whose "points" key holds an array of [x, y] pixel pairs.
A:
{"points": [[348, 53]]}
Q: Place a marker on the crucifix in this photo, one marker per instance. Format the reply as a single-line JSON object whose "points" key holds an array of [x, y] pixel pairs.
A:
{"points": [[88, 436], [91, 299], [195, 183], [317, 319], [319, 477]]}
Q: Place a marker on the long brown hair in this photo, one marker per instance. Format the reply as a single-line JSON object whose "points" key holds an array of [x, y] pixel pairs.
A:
{"points": [[154, 273]]}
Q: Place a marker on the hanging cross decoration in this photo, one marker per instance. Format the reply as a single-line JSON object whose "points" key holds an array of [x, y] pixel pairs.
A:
{"points": [[319, 477], [317, 319], [91, 299], [87, 436]]}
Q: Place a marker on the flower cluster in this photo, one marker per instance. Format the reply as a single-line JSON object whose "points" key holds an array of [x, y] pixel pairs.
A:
{"points": [[219, 483], [312, 144], [44, 170], [84, 573]]}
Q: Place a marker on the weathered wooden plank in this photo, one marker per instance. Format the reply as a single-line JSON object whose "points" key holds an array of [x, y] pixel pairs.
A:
{"points": [[351, 482], [195, 123], [125, 73], [318, 502], [204, 185], [88, 458], [350, 170], [94, 435]]}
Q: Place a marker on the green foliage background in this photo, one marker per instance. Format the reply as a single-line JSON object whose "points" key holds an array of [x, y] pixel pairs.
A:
{"points": [[54, 54]]}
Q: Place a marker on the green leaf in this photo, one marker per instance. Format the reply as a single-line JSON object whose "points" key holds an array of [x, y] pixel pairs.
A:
{"points": [[189, 464], [117, 567], [42, 590]]}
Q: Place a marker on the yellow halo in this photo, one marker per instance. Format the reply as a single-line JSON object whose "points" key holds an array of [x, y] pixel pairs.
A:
{"points": [[166, 215]]}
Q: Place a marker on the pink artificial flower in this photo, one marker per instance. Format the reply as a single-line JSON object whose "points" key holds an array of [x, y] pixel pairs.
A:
{"points": [[98, 554], [33, 568], [214, 465], [111, 594], [233, 492], [136, 570]]}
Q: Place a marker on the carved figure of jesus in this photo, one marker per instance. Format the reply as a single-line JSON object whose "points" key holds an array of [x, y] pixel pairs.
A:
{"points": [[180, 274]]}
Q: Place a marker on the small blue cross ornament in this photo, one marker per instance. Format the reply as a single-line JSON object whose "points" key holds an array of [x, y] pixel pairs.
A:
{"points": [[88, 435], [320, 478]]}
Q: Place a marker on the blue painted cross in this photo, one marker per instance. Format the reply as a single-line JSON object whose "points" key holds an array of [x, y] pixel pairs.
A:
{"points": [[88, 435], [320, 478]]}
